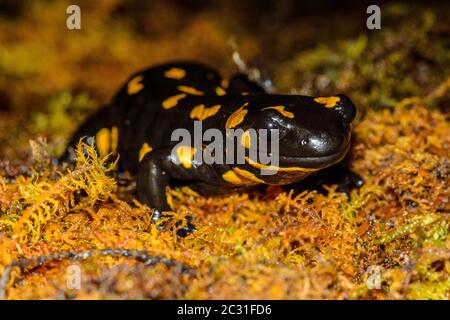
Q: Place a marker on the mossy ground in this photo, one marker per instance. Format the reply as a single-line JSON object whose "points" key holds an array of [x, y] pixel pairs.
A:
{"points": [[269, 244]]}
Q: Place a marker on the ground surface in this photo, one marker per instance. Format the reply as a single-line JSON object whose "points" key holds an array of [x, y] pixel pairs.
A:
{"points": [[266, 244]]}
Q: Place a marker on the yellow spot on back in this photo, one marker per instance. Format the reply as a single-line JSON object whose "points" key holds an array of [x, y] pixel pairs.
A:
{"points": [[144, 150], [103, 142], [185, 155], [245, 139], [114, 139], [135, 85], [190, 90], [173, 101], [329, 102], [236, 117], [275, 168], [220, 91], [201, 112], [175, 73], [245, 93], [281, 110]]}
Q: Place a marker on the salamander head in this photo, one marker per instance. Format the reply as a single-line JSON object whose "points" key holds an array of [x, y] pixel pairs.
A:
{"points": [[313, 133]]}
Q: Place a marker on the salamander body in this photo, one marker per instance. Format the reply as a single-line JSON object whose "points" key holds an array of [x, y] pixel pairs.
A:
{"points": [[138, 123]]}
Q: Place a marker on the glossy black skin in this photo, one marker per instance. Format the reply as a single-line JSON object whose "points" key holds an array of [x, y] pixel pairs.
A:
{"points": [[316, 137]]}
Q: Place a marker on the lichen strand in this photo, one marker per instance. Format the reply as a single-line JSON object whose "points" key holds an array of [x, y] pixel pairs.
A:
{"points": [[44, 200]]}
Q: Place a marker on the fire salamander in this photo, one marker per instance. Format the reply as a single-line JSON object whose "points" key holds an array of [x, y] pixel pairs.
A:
{"points": [[314, 132]]}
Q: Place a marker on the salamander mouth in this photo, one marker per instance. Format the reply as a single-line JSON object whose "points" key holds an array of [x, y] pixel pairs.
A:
{"points": [[312, 162]]}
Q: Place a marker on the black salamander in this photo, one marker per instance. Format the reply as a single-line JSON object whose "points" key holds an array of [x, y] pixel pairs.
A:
{"points": [[314, 132]]}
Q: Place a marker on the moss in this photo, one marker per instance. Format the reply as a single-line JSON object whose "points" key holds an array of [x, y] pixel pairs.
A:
{"points": [[430, 290], [416, 224], [45, 200], [59, 118]]}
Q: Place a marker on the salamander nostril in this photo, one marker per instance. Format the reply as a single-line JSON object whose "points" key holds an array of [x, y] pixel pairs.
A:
{"points": [[346, 108]]}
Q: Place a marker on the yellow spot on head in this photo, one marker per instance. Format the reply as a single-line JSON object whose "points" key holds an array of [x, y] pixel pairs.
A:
{"points": [[185, 155], [144, 150], [173, 101], [281, 110], [103, 142], [175, 73], [329, 102], [246, 139], [275, 168], [114, 139], [220, 91], [135, 85], [190, 90], [241, 177], [189, 191], [236, 117], [201, 113], [233, 178], [247, 175]]}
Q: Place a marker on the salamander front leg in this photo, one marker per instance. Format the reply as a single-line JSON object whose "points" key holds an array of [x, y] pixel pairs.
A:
{"points": [[153, 180]]}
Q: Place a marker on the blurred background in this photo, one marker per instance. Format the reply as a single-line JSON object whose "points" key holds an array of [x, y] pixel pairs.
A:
{"points": [[51, 77]]}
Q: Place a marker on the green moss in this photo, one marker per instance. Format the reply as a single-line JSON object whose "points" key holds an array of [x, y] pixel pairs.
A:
{"points": [[417, 222], [60, 117], [430, 290]]}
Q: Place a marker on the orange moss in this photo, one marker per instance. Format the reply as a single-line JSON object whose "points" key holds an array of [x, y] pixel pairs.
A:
{"points": [[254, 245]]}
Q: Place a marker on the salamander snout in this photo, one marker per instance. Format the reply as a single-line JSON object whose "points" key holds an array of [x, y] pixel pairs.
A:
{"points": [[346, 109]]}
